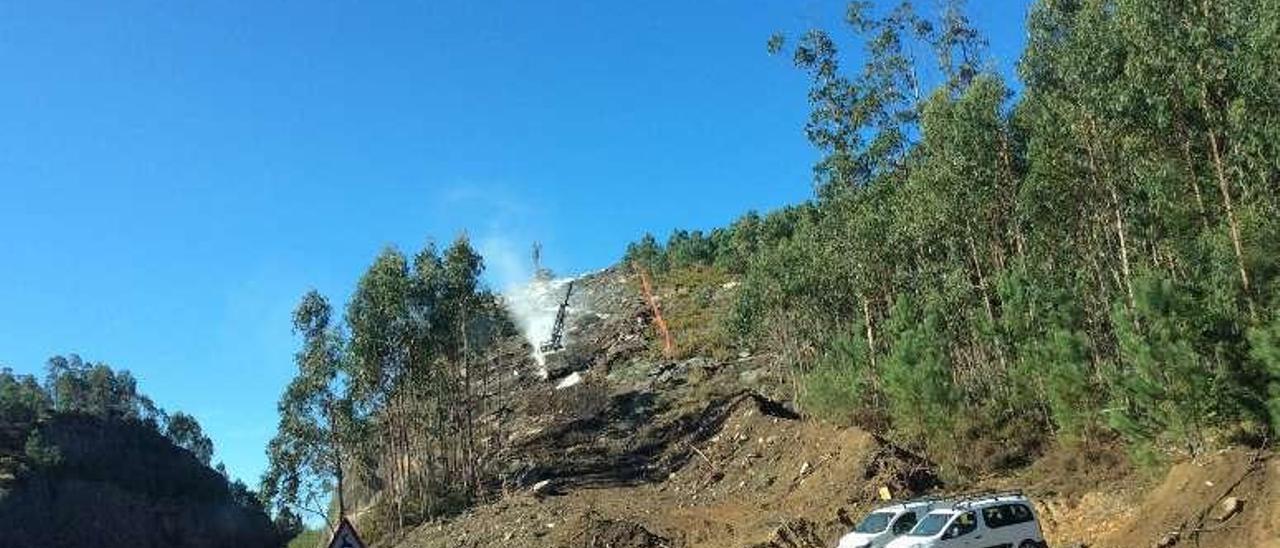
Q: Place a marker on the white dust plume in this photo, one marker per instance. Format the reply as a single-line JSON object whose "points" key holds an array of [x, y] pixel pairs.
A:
{"points": [[532, 302]]}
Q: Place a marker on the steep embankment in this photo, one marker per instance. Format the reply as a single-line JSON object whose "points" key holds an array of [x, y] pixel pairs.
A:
{"points": [[699, 452], [120, 483]]}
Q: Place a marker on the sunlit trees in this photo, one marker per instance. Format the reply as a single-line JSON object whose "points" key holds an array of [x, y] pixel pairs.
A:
{"points": [[394, 394], [1087, 256], [305, 456]]}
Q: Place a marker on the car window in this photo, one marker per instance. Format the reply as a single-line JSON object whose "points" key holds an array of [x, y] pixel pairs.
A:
{"points": [[905, 523], [964, 524], [995, 516], [931, 524], [1020, 513], [1006, 514], [875, 522]]}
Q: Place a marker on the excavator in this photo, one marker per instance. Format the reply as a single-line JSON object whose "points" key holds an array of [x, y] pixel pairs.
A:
{"points": [[556, 342]]}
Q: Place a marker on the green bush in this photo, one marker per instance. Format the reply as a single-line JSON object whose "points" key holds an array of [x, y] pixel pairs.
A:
{"points": [[841, 386]]}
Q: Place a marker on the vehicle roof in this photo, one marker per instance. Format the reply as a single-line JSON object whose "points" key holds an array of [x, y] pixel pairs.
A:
{"points": [[911, 505], [982, 500], [976, 502], [950, 504]]}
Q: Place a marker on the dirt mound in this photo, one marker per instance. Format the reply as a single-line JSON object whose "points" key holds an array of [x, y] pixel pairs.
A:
{"points": [[796, 533], [592, 531], [1187, 508], [1228, 500], [737, 470]]}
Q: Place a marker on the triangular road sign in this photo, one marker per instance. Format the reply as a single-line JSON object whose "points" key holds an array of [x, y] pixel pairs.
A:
{"points": [[345, 536]]}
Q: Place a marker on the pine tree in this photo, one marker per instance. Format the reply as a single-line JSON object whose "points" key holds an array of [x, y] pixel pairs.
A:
{"points": [[1165, 391], [923, 401]]}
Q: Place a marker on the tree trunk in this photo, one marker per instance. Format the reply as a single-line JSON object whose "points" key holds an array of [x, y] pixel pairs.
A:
{"points": [[871, 336], [1195, 183], [1116, 210], [1215, 150], [337, 458], [468, 402], [1010, 213], [1232, 223]]}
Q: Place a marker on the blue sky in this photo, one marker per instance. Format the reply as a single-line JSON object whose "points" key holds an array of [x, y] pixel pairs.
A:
{"points": [[175, 175]]}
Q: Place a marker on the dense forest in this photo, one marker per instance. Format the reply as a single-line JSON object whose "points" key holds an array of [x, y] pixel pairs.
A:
{"points": [[1089, 256], [88, 459]]}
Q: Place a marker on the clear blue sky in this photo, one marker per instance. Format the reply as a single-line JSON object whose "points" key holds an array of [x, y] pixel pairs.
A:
{"points": [[174, 175]]}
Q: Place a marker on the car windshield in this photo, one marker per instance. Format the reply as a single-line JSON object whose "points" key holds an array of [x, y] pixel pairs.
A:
{"points": [[875, 522], [930, 525]]}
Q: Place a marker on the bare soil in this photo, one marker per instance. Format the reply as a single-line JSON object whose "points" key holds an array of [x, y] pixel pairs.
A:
{"points": [[701, 453]]}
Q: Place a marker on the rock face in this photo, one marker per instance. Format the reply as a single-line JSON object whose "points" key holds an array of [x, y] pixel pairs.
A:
{"points": [[122, 484]]}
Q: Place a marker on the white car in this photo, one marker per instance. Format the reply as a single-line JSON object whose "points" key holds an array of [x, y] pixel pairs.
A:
{"points": [[887, 523], [1004, 520]]}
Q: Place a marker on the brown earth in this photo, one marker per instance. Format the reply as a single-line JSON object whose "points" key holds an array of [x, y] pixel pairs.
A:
{"points": [[758, 477], [699, 453]]}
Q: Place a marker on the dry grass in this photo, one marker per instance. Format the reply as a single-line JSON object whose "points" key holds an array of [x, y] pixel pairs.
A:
{"points": [[695, 302]]}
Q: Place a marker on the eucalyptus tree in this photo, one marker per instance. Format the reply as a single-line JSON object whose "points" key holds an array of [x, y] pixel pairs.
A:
{"points": [[96, 389], [864, 122], [381, 329], [464, 298], [317, 419], [22, 400], [185, 432]]}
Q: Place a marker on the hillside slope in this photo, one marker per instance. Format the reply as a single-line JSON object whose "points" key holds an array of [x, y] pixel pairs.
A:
{"points": [[121, 483], [704, 452]]}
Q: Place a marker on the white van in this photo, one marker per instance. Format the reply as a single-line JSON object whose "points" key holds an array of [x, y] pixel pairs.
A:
{"points": [[1004, 520], [887, 523]]}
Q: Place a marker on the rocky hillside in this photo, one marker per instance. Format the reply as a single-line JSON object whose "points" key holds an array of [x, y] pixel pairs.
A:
{"points": [[120, 484], [638, 450]]}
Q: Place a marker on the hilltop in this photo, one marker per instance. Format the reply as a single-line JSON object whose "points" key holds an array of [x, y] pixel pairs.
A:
{"points": [[86, 460]]}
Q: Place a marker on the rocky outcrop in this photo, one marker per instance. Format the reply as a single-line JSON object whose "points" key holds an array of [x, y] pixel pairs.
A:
{"points": [[123, 484]]}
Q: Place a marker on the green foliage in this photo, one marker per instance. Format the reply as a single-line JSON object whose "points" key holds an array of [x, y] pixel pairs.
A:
{"points": [[923, 400], [730, 249], [39, 452], [303, 457], [393, 383], [95, 389], [693, 299], [289, 527], [22, 400], [1091, 258], [310, 538], [91, 425], [186, 433], [1074, 399], [686, 249], [73, 386], [647, 253], [1165, 391], [1265, 351], [841, 387]]}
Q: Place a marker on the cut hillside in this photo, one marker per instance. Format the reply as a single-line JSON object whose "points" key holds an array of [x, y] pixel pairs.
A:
{"points": [[706, 451]]}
